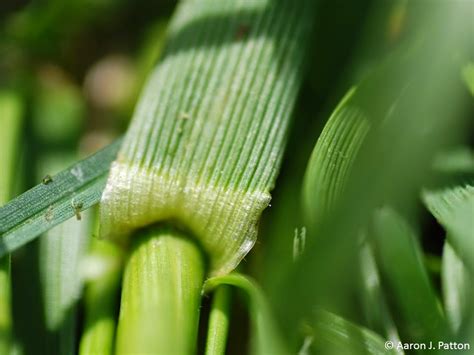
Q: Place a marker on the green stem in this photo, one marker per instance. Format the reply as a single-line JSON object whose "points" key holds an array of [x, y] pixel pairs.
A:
{"points": [[10, 122], [101, 300], [219, 321], [161, 293]]}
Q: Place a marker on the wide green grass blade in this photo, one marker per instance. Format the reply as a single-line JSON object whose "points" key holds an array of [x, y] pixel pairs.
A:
{"points": [[52, 202], [207, 137], [267, 338], [415, 305], [454, 210]]}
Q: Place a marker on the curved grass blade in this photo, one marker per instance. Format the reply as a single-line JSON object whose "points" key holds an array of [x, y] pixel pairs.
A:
{"points": [[267, 338], [55, 200], [373, 298], [419, 316], [458, 286], [219, 319], [454, 209], [335, 335]]}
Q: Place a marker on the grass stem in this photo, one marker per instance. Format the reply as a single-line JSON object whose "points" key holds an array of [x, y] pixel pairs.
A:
{"points": [[161, 293], [219, 321]]}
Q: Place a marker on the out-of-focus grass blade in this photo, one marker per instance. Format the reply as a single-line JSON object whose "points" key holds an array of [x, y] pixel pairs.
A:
{"points": [[333, 157], [102, 271], [454, 209], [219, 319], [373, 298], [458, 286], [416, 96], [414, 303], [468, 76], [60, 253], [266, 336], [56, 200], [334, 335], [11, 117], [455, 161]]}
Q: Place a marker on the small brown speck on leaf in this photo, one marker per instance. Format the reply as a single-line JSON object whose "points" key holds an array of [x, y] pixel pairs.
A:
{"points": [[242, 32]]}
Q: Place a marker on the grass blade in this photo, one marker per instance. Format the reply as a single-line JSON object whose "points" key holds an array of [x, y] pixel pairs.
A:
{"points": [[454, 208], [400, 117], [373, 297], [335, 335], [202, 150], [267, 338], [53, 202], [458, 286], [10, 121], [102, 287], [413, 299]]}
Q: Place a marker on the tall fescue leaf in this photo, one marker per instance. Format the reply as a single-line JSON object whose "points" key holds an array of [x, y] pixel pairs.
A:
{"points": [[208, 134]]}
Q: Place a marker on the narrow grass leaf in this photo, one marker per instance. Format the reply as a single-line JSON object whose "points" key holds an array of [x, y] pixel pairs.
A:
{"points": [[414, 302], [457, 285], [335, 335], [60, 252], [55, 200], [373, 297], [333, 156], [267, 338], [454, 210], [468, 76], [11, 112], [209, 131], [219, 319], [102, 272]]}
